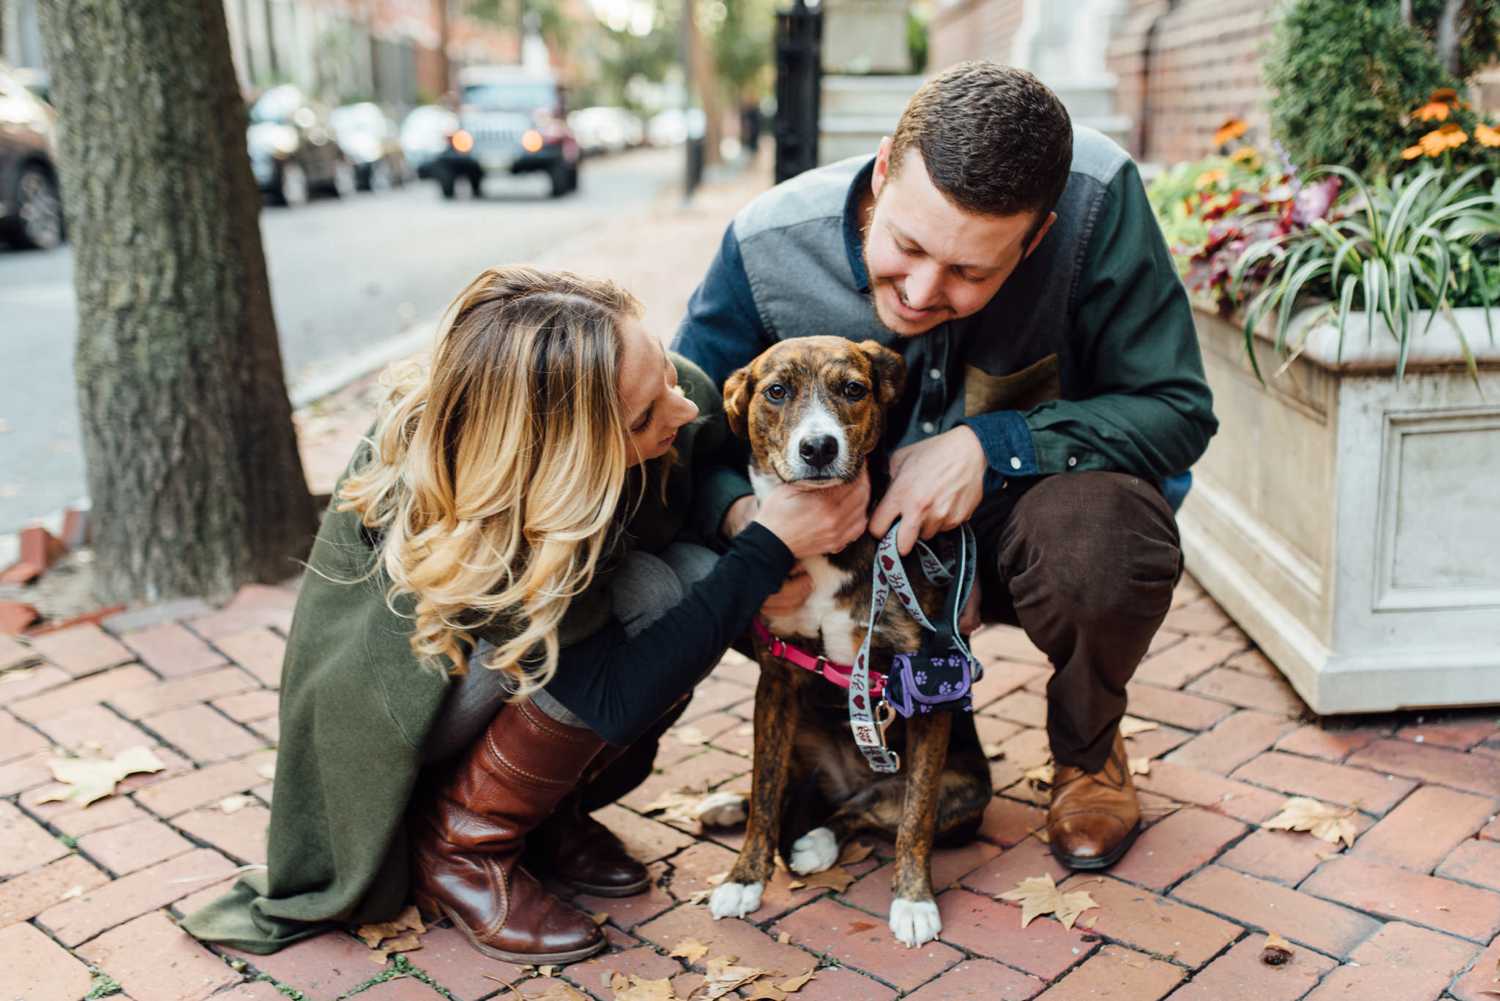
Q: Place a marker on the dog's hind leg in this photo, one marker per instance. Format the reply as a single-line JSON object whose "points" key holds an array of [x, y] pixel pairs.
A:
{"points": [[914, 913], [776, 716]]}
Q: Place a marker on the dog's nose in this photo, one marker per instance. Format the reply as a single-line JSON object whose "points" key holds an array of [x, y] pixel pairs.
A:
{"points": [[819, 450]]}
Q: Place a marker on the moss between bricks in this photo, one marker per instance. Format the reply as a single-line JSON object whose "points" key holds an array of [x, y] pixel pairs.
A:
{"points": [[103, 986], [399, 966]]}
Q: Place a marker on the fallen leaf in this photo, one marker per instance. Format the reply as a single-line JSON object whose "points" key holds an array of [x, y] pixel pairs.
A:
{"points": [[689, 949], [854, 853], [559, 991], [858, 926], [545, 971], [785, 938], [724, 976], [676, 806], [409, 920], [600, 917], [795, 984], [994, 750], [634, 988], [1140, 766], [76, 891], [267, 770], [89, 779], [836, 879], [1330, 823], [1041, 775], [796, 884], [1276, 951], [716, 878], [1039, 895], [410, 942], [1130, 726], [689, 735], [1042, 835], [764, 990], [234, 804]]}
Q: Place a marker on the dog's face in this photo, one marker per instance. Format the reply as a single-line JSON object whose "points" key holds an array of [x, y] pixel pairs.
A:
{"points": [[814, 407]]}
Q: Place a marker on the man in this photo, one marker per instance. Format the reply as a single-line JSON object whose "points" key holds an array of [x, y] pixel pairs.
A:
{"points": [[1054, 385]]}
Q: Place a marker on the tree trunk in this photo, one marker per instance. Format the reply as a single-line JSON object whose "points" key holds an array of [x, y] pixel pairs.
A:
{"points": [[445, 29], [706, 82], [192, 460], [1448, 36]]}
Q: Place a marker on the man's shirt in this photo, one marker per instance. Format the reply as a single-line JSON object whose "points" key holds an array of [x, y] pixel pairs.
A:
{"points": [[1085, 359]]}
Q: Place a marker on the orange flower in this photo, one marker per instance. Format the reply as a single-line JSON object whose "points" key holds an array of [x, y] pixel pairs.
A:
{"points": [[1247, 157], [1445, 94], [1411, 152], [1209, 178], [1436, 142], [1432, 111], [1487, 135], [1230, 130]]}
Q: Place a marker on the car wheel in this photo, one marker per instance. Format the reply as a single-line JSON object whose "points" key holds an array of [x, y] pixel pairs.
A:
{"points": [[447, 183], [293, 184], [378, 176], [476, 184], [344, 181], [558, 173], [39, 209]]}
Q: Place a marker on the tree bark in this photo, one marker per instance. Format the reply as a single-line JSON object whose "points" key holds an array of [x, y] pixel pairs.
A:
{"points": [[192, 460], [1448, 36]]}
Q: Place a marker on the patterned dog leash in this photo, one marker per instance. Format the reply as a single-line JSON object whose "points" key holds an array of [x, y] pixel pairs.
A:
{"points": [[887, 576]]}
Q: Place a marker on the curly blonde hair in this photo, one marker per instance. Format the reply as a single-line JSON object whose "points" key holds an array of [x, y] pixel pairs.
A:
{"points": [[494, 476]]}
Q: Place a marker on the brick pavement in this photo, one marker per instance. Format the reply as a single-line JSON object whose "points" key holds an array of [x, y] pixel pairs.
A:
{"points": [[1409, 913]]}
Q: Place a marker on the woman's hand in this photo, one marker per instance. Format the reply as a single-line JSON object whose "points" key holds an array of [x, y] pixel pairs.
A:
{"points": [[814, 521]]}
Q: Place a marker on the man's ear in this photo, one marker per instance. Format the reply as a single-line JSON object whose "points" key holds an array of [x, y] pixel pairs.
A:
{"points": [[882, 166], [890, 370], [1040, 234], [737, 390]]}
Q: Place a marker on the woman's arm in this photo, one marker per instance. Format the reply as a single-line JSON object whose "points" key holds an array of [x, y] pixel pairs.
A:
{"points": [[619, 685]]}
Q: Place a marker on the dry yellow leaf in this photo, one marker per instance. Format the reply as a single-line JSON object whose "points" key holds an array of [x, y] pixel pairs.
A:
{"points": [[855, 852], [676, 806], [764, 990], [1333, 824], [634, 988], [1140, 766], [993, 750], [784, 938], [689, 735], [836, 879], [89, 779], [600, 917], [559, 991], [795, 984], [1041, 775], [689, 949], [724, 976], [1276, 951], [234, 804], [1130, 726], [1039, 895]]}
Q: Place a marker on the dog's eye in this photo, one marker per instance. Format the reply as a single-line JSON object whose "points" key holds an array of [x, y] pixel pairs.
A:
{"points": [[775, 392], [855, 391]]}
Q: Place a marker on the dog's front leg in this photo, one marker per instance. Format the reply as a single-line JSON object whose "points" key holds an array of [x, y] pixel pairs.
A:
{"points": [[776, 712], [914, 913]]}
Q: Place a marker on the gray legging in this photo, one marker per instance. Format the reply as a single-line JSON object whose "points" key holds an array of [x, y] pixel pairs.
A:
{"points": [[642, 589]]}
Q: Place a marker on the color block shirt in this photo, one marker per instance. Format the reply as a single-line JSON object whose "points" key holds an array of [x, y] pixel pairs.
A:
{"points": [[1086, 358]]}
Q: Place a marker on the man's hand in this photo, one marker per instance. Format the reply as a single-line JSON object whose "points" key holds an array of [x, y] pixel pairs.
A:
{"points": [[935, 485]]}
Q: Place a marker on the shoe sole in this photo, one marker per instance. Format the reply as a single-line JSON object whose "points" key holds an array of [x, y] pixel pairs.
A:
{"points": [[518, 958], [1103, 861]]}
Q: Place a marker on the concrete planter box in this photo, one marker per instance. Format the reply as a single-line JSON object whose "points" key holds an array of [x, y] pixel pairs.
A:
{"points": [[1350, 524]]}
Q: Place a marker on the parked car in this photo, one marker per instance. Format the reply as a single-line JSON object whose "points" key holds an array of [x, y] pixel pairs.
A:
{"points": [[30, 208], [673, 126], [371, 142], [605, 130], [293, 151], [511, 121], [424, 136]]}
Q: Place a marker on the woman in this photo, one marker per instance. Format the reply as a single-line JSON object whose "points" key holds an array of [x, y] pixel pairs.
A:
{"points": [[500, 591]]}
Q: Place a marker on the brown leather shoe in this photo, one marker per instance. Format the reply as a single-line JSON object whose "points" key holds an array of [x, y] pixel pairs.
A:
{"points": [[467, 846], [1094, 816], [581, 852]]}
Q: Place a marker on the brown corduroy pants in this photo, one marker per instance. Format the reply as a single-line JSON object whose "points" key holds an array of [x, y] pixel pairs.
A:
{"points": [[1085, 563]]}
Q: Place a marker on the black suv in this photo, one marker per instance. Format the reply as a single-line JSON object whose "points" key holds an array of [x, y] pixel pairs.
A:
{"points": [[509, 121], [30, 210]]}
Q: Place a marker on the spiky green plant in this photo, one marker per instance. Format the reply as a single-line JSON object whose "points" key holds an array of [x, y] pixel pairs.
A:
{"points": [[1393, 249]]}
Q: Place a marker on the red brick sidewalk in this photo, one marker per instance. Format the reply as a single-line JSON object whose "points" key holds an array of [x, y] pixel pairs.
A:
{"points": [[1410, 913]]}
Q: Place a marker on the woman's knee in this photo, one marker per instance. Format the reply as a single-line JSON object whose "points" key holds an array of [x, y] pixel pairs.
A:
{"points": [[644, 587]]}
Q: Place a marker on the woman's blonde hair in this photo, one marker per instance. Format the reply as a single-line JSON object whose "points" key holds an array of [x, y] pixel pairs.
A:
{"points": [[494, 476]]}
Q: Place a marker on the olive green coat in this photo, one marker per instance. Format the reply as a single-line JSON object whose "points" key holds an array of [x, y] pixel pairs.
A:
{"points": [[356, 708]]}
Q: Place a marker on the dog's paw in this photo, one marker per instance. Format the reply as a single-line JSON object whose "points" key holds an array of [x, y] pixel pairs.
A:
{"points": [[735, 900], [722, 809], [915, 922], [815, 851]]}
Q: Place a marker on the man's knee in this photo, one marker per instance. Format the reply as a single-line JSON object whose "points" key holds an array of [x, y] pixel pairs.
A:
{"points": [[1106, 543]]}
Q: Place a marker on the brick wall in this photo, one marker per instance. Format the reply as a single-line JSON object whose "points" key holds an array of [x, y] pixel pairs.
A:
{"points": [[972, 29]]}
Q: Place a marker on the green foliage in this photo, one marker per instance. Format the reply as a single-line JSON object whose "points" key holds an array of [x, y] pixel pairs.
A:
{"points": [[1344, 76], [1479, 22], [103, 985], [740, 31], [916, 38], [1423, 242]]}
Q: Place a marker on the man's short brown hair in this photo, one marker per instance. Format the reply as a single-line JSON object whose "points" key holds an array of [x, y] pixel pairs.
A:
{"points": [[995, 140]]}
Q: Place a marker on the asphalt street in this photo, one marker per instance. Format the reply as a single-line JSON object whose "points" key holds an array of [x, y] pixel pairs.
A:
{"points": [[346, 275]]}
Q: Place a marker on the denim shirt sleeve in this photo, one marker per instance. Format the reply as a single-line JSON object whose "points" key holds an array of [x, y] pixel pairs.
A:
{"points": [[1008, 449]]}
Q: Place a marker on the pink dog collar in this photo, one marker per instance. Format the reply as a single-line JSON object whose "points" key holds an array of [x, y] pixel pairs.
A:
{"points": [[836, 673]]}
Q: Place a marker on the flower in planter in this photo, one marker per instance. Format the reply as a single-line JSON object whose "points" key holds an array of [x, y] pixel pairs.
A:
{"points": [[1486, 136], [1231, 130], [1440, 104]]}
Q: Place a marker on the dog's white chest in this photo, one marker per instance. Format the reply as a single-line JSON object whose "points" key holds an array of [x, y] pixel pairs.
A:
{"points": [[823, 613]]}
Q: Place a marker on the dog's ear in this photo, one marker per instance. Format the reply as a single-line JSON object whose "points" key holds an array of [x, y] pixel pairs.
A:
{"points": [[890, 370], [737, 390]]}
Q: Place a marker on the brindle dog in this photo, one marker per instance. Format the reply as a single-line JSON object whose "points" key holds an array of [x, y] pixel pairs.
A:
{"points": [[813, 409]]}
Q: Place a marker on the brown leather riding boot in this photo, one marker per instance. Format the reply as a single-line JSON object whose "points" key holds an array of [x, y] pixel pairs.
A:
{"points": [[467, 846], [1094, 816], [580, 851]]}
